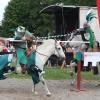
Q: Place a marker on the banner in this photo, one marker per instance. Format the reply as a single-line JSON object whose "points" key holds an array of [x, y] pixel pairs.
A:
{"points": [[92, 57], [98, 7]]}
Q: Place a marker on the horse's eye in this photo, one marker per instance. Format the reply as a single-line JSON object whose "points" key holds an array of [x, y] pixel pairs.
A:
{"points": [[58, 48]]}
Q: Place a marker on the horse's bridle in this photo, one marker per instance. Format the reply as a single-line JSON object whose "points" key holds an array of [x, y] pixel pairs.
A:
{"points": [[57, 48]]}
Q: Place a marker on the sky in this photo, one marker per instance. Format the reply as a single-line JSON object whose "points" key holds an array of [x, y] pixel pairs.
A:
{"points": [[3, 4]]}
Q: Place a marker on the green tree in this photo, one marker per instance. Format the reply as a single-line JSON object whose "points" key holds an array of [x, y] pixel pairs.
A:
{"points": [[25, 13]]}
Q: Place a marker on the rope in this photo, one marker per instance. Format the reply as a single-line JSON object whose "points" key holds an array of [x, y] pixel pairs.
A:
{"points": [[42, 54]]}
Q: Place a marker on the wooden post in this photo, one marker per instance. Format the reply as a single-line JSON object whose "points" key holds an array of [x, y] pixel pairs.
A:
{"points": [[78, 85], [79, 58], [78, 74]]}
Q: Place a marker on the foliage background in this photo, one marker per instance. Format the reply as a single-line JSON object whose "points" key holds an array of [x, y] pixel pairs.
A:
{"points": [[26, 13]]}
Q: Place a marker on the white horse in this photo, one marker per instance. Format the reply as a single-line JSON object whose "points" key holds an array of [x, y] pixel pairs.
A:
{"points": [[38, 58], [43, 52]]}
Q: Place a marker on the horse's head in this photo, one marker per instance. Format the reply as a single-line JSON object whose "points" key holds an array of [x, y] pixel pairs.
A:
{"points": [[58, 50], [22, 34]]}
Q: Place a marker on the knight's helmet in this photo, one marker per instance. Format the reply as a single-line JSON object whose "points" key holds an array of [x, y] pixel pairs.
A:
{"points": [[19, 32]]}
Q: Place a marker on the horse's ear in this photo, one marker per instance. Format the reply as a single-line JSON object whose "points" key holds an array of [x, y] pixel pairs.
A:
{"points": [[55, 40]]}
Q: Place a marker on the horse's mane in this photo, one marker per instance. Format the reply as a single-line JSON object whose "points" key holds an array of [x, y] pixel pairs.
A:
{"points": [[46, 43]]}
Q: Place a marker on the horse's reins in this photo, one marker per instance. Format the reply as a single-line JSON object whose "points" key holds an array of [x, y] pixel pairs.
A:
{"points": [[42, 54]]}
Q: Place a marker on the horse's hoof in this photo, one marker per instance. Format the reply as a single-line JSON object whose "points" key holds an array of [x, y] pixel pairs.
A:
{"points": [[72, 83], [36, 93], [49, 94]]}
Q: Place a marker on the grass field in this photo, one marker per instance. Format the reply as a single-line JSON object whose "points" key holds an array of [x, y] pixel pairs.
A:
{"points": [[57, 74]]}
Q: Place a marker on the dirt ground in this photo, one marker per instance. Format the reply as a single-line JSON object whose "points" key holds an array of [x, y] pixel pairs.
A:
{"points": [[19, 89]]}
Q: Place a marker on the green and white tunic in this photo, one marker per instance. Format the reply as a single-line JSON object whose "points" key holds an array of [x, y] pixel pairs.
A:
{"points": [[21, 51]]}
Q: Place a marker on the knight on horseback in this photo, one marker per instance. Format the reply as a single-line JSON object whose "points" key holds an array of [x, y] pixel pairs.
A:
{"points": [[24, 46]]}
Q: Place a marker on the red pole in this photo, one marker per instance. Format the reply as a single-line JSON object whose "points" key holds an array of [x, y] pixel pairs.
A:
{"points": [[98, 7], [78, 74]]}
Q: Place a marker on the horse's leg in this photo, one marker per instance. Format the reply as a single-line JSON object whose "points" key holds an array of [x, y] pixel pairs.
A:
{"points": [[34, 89], [72, 73], [45, 85]]}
